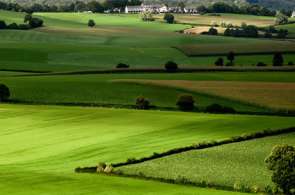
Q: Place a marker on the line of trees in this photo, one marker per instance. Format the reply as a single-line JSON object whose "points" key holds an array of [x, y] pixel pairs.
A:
{"points": [[29, 23], [77, 6], [221, 7]]}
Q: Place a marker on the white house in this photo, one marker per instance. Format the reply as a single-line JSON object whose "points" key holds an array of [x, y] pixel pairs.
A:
{"points": [[133, 9]]}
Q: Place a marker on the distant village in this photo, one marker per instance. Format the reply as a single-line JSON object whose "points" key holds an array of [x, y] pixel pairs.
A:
{"points": [[159, 8]]}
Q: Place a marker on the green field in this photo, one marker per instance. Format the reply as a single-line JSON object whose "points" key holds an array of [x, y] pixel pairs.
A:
{"points": [[96, 88], [238, 163], [39, 152], [66, 43]]}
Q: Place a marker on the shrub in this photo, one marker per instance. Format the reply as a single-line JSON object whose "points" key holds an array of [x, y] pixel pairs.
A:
{"points": [[24, 26], [122, 65], [231, 57], [267, 34], [12, 26], [282, 162], [290, 63], [282, 33], [91, 23], [185, 102], [169, 18], [278, 59], [142, 103], [213, 31], [100, 167], [2, 24], [4, 93], [109, 169], [171, 66], [281, 19], [216, 108], [261, 64], [219, 62], [36, 22]]}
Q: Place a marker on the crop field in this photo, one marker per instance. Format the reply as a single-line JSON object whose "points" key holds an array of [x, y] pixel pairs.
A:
{"points": [[95, 89], [139, 44], [239, 163], [270, 94], [39, 152], [234, 19]]}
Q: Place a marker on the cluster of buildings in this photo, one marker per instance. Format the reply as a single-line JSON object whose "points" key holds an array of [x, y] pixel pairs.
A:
{"points": [[159, 8]]}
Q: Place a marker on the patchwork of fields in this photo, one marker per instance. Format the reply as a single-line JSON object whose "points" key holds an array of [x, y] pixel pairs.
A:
{"points": [[47, 143], [59, 118]]}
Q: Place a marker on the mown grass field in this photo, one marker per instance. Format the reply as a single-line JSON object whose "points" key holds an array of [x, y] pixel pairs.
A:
{"points": [[103, 89], [67, 44], [239, 163], [39, 152]]}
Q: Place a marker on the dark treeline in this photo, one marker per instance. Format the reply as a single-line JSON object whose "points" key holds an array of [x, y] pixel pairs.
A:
{"points": [[251, 9], [77, 6]]}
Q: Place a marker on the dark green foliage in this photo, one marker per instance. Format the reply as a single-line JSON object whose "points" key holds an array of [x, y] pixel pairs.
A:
{"points": [[28, 18], [2, 24], [261, 64], [169, 18], [24, 27], [231, 58], [216, 108], [290, 63], [186, 102], [281, 162], [4, 93], [147, 16], [12, 26], [171, 66], [219, 62], [122, 65], [212, 31], [142, 103], [281, 19], [244, 31], [91, 23], [282, 33], [278, 59], [36, 22]]}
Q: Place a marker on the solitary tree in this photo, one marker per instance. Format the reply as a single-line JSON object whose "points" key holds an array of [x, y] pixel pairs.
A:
{"points": [[142, 103], [219, 62], [231, 57], [2, 24], [171, 66], [278, 59], [169, 18], [185, 102], [4, 93], [91, 23], [281, 19], [281, 162]]}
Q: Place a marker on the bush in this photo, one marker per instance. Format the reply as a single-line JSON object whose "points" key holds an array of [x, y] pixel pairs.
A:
{"points": [[213, 31], [109, 169], [185, 102], [281, 19], [12, 26], [100, 167], [169, 18], [219, 62], [4, 93], [282, 162], [91, 23], [282, 33], [142, 103], [122, 65], [36, 22], [290, 63], [216, 108], [2, 24], [171, 66], [24, 26], [278, 59], [261, 64]]}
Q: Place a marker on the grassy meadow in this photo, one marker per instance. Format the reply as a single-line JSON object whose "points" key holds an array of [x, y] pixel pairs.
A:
{"points": [[42, 141], [39, 152], [95, 89], [67, 44], [239, 163]]}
